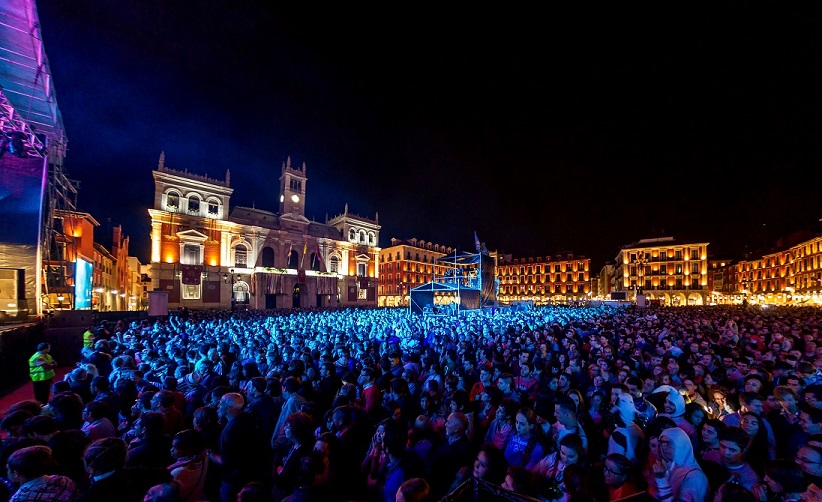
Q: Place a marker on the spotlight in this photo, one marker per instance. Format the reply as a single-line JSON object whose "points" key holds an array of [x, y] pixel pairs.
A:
{"points": [[16, 144]]}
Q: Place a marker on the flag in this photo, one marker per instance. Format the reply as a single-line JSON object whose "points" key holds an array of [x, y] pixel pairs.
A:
{"points": [[320, 257], [305, 248], [477, 242]]}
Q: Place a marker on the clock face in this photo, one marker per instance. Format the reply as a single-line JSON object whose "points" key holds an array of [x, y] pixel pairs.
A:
{"points": [[282, 198], [295, 198]]}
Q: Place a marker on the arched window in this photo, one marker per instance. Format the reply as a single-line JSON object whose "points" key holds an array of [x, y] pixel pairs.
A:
{"points": [[172, 201], [241, 292], [213, 208], [293, 259], [363, 239], [193, 204], [352, 235], [315, 262], [334, 264], [268, 257], [241, 256], [372, 240]]}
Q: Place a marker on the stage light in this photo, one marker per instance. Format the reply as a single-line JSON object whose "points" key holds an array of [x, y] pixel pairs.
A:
{"points": [[16, 146]]}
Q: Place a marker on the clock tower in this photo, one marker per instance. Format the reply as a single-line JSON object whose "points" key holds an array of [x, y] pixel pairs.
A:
{"points": [[292, 189]]}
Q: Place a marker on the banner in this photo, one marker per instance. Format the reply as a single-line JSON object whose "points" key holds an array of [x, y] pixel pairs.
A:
{"points": [[192, 274], [326, 285]]}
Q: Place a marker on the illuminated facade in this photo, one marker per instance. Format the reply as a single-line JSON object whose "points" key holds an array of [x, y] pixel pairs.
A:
{"points": [[806, 270], [111, 276], [789, 277], [405, 265], [253, 258], [561, 278], [665, 270]]}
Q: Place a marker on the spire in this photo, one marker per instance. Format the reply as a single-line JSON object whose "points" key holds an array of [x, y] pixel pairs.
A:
{"points": [[377, 216], [326, 218], [303, 169], [228, 177], [162, 163], [346, 208], [288, 162]]}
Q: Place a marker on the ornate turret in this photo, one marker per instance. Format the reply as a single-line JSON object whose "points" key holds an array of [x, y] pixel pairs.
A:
{"points": [[292, 189]]}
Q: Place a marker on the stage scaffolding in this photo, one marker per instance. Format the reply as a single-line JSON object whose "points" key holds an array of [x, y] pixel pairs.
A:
{"points": [[32, 126]]}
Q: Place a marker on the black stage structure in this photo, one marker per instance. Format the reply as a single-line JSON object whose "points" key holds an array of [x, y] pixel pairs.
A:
{"points": [[469, 283]]}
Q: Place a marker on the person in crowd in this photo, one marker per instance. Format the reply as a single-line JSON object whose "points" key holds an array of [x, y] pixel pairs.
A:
{"points": [[782, 481], [189, 468], [414, 490], [552, 467], [524, 447], [299, 430], [452, 454], [676, 473], [733, 445], [489, 466], [520, 480], [619, 477], [709, 441], [292, 402], [757, 452], [241, 451], [31, 469], [628, 437], [565, 412], [41, 371], [105, 461], [96, 424]]}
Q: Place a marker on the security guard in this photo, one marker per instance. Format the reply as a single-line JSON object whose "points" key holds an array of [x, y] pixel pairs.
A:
{"points": [[41, 370], [88, 338]]}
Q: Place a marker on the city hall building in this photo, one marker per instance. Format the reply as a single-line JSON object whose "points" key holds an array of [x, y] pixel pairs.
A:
{"points": [[205, 254]]}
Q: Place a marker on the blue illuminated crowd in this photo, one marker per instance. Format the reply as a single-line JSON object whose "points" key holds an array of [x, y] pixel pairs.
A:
{"points": [[554, 403]]}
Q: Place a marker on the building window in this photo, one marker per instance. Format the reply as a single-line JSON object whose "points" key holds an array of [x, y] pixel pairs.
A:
{"points": [[172, 201], [191, 291], [361, 269], [334, 264], [213, 208], [191, 256], [193, 204], [240, 256]]}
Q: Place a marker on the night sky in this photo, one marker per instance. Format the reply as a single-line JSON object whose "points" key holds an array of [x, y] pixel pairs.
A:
{"points": [[568, 128]]}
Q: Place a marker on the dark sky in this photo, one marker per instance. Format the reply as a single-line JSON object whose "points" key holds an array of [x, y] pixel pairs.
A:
{"points": [[564, 128]]}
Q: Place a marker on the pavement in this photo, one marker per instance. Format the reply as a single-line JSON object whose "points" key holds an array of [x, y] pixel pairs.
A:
{"points": [[26, 391]]}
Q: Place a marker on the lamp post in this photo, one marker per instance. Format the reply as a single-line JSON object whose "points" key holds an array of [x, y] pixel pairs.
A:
{"points": [[639, 261], [232, 278], [746, 286]]}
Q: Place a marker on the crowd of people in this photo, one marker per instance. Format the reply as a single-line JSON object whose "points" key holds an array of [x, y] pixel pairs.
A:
{"points": [[593, 403]]}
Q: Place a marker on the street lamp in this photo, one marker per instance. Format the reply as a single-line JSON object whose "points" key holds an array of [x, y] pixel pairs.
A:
{"points": [[230, 278], [639, 261]]}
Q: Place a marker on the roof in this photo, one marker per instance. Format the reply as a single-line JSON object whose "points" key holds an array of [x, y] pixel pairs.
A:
{"points": [[25, 76]]}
